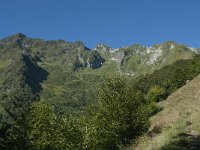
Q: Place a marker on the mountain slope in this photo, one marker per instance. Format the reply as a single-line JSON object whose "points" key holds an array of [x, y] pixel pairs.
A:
{"points": [[68, 54], [21, 82], [75, 71], [177, 126], [137, 59], [132, 60]]}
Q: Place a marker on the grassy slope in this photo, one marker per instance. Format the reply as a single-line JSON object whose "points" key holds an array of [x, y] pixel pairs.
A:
{"points": [[177, 126]]}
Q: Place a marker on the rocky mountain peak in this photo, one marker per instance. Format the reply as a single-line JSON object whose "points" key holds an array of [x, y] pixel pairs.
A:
{"points": [[103, 47]]}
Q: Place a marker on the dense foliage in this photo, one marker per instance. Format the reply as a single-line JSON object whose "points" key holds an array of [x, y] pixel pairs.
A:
{"points": [[120, 115], [161, 83], [16, 99]]}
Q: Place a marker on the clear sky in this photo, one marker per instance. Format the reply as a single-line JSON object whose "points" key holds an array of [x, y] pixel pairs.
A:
{"points": [[113, 22]]}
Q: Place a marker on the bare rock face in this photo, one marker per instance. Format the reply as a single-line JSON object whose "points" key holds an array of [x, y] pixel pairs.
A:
{"points": [[103, 47], [118, 56]]}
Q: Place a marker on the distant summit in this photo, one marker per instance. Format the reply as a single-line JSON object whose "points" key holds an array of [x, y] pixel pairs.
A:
{"points": [[14, 38], [103, 47]]}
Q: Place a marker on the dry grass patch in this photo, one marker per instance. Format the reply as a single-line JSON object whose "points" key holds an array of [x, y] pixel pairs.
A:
{"points": [[177, 126]]}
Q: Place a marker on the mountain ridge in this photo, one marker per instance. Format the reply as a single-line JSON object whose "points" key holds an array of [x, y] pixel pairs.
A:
{"points": [[14, 37], [131, 60]]}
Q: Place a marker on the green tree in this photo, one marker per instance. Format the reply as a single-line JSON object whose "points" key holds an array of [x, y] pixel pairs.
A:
{"points": [[42, 123], [119, 116], [17, 105], [48, 131]]}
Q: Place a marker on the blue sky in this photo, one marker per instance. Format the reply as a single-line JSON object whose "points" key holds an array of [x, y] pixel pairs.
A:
{"points": [[113, 22]]}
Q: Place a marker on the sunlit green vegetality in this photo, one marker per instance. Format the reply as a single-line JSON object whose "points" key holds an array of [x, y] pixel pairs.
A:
{"points": [[63, 95]]}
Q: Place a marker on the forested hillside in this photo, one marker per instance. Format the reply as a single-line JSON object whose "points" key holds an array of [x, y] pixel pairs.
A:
{"points": [[63, 95]]}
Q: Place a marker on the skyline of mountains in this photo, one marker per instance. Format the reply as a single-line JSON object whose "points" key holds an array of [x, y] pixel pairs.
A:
{"points": [[132, 60], [98, 44]]}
